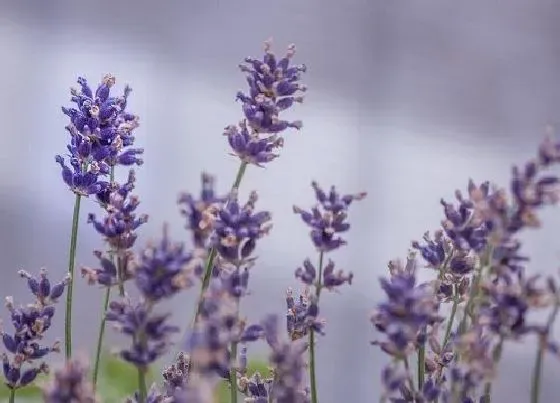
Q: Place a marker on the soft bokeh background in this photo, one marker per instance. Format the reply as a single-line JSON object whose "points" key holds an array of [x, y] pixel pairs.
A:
{"points": [[407, 100]]}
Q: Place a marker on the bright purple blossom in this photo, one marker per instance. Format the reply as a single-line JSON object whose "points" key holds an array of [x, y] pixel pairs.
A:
{"points": [[100, 136]]}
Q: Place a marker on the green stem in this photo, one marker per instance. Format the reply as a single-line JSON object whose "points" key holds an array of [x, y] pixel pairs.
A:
{"points": [[312, 374], [103, 312], [496, 356], [142, 389], [233, 374], [539, 360], [421, 364], [451, 317], [120, 274], [100, 337], [12, 396], [71, 261]]}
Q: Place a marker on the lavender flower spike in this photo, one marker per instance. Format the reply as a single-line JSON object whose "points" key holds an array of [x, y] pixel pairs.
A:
{"points": [[194, 210], [286, 359], [273, 87], [165, 269], [328, 217], [30, 324], [237, 229], [70, 384], [100, 130]]}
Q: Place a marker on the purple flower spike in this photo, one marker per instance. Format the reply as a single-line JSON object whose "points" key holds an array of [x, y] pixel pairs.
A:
{"points": [[121, 220], [165, 269], [100, 136], [237, 229], [70, 384], [194, 210], [302, 315], [286, 359], [328, 218], [150, 332], [406, 313], [30, 325], [273, 86]]}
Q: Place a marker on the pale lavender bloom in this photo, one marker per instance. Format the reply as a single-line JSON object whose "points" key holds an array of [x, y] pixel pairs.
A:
{"points": [[30, 325], [287, 361], [194, 210], [409, 309], [237, 229], [149, 331], [328, 218], [164, 269], [302, 315], [273, 87], [70, 384]]}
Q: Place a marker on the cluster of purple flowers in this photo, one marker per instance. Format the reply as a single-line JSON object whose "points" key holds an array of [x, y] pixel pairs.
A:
{"points": [[481, 272], [273, 87], [30, 325], [100, 137], [480, 279]]}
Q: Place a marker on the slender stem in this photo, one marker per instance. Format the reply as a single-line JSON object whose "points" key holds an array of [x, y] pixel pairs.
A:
{"points": [[100, 337], [213, 252], [451, 317], [421, 364], [496, 356], [71, 261], [142, 389], [312, 374], [120, 274], [103, 312], [475, 288], [233, 374], [12, 396], [539, 360], [141, 339]]}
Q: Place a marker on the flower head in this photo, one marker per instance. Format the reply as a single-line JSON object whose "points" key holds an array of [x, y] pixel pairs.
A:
{"points": [[409, 309], [237, 229], [287, 362], [100, 136], [195, 210], [149, 331], [121, 220], [70, 384], [164, 269], [273, 87], [30, 324], [328, 217]]}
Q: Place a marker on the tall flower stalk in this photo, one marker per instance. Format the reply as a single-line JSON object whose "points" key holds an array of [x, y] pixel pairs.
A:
{"points": [[326, 220], [273, 87], [99, 129]]}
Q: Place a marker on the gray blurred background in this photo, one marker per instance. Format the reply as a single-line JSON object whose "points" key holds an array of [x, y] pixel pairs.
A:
{"points": [[407, 100]]}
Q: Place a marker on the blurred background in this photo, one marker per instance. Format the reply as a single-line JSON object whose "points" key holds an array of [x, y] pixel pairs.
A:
{"points": [[407, 100]]}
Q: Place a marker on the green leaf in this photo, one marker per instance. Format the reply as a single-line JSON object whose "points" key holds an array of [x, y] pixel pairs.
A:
{"points": [[222, 390]]}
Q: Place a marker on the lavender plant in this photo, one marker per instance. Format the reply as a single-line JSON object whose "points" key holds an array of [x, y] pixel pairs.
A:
{"points": [[453, 327]]}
